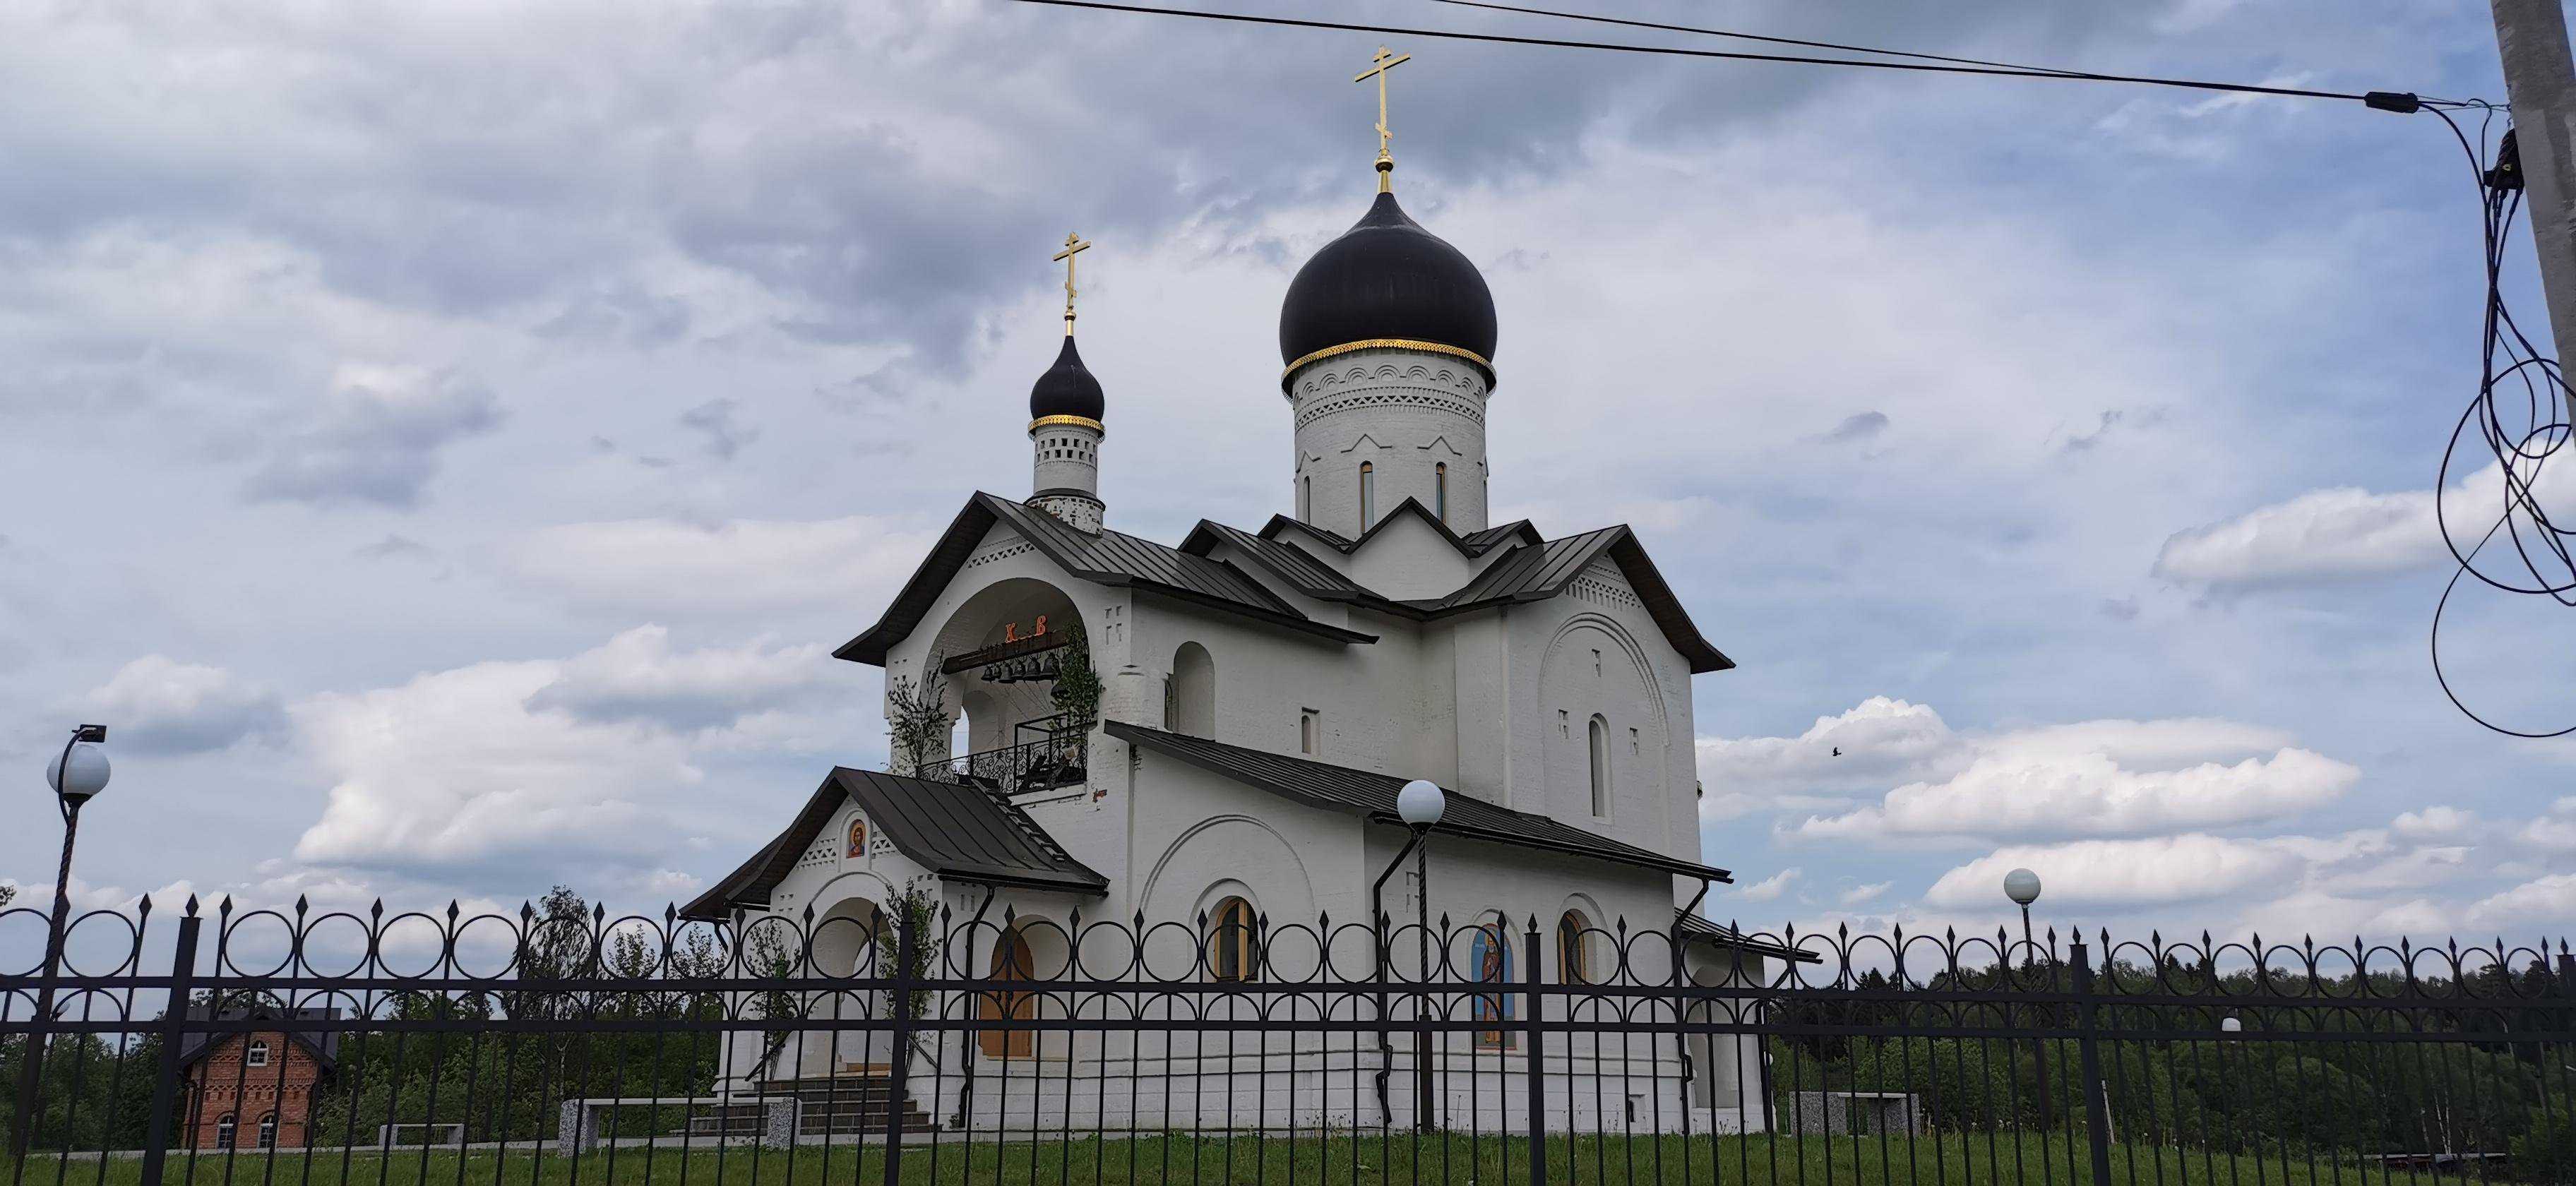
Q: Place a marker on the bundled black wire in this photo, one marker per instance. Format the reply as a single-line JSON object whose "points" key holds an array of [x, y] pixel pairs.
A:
{"points": [[2520, 416]]}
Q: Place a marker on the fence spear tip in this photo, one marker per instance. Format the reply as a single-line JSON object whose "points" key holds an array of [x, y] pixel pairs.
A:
{"points": [[191, 908], [225, 906], [378, 909]]}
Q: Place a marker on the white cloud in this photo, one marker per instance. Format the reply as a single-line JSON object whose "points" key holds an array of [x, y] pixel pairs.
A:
{"points": [[1879, 740], [2158, 871], [455, 769], [1768, 889], [2552, 831], [158, 705], [742, 565], [636, 676], [2542, 899], [2086, 778], [2343, 533], [2437, 822], [1860, 894], [2012, 790]]}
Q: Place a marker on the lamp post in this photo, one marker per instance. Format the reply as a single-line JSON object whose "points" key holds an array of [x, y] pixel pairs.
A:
{"points": [[76, 775], [1419, 805], [2022, 886]]}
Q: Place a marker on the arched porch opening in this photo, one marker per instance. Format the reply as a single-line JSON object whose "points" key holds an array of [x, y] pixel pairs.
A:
{"points": [[853, 939], [996, 659]]}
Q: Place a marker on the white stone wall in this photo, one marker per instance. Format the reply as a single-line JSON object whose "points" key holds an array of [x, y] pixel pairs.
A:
{"points": [[1405, 412], [1643, 684]]}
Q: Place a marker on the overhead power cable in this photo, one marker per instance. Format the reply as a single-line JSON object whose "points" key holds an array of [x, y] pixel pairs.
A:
{"points": [[2519, 418], [2397, 101], [1766, 38]]}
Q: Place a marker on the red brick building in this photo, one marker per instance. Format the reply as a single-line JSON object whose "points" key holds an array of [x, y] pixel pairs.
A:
{"points": [[254, 1090]]}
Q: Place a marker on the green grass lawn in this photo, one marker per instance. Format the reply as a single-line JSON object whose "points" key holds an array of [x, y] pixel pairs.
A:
{"points": [[1490, 1161]]}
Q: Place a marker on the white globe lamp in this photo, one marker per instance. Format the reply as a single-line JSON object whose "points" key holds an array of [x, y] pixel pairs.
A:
{"points": [[1420, 803]]}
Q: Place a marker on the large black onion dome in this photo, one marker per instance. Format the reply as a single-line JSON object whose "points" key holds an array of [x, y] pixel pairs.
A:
{"points": [[1387, 278], [1066, 389]]}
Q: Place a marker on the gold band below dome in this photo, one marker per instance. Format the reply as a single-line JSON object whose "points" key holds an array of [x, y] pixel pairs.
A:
{"points": [[1391, 344], [1067, 422]]}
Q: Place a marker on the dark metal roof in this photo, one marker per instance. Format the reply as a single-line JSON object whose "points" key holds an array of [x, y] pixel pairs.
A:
{"points": [[1533, 569], [1481, 542], [1538, 572], [322, 1044], [958, 832], [1292, 564], [1690, 926], [1340, 788], [1109, 558]]}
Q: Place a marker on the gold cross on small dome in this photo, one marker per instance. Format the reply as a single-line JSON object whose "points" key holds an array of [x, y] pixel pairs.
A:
{"points": [[1385, 60], [1073, 246]]}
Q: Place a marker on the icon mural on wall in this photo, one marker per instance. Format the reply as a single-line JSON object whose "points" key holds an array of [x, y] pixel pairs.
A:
{"points": [[858, 836]]}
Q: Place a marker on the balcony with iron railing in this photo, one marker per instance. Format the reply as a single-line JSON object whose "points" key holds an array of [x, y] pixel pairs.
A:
{"points": [[1046, 753]]}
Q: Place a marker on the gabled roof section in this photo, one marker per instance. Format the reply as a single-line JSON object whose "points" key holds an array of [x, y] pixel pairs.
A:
{"points": [[959, 832], [1281, 524], [1538, 572], [323, 1044], [1291, 564], [1110, 558], [1372, 796], [1518, 530], [1474, 543], [1530, 568]]}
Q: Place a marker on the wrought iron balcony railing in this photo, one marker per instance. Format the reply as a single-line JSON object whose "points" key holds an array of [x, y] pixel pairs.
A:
{"points": [[1052, 752]]}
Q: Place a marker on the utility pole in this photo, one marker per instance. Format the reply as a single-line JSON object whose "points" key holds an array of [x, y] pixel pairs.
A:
{"points": [[2540, 84]]}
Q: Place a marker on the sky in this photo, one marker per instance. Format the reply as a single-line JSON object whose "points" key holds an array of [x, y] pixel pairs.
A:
{"points": [[445, 441]]}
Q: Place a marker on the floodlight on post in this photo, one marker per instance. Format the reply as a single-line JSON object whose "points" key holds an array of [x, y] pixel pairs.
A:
{"points": [[76, 775]]}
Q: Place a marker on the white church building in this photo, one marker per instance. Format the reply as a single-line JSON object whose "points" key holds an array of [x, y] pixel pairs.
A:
{"points": [[1262, 693]]}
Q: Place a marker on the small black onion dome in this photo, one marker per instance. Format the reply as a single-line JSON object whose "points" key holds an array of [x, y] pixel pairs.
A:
{"points": [[1386, 277], [1066, 389]]}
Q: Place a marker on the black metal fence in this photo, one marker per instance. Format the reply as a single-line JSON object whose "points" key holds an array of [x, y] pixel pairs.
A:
{"points": [[906, 1045]]}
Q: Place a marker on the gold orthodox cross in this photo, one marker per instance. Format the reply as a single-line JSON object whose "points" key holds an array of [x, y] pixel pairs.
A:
{"points": [[1384, 61], [1073, 246]]}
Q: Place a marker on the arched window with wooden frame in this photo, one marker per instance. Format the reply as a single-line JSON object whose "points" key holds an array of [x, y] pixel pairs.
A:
{"points": [[1368, 494], [1598, 742], [1573, 948], [1012, 961], [1490, 954], [268, 1131], [225, 1126], [256, 1053], [1440, 490], [1234, 942]]}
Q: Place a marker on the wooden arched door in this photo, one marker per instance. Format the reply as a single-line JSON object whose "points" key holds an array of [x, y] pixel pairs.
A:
{"points": [[1011, 961]]}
